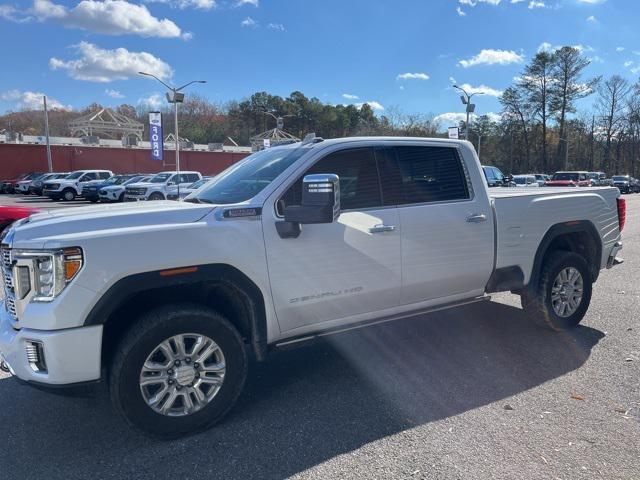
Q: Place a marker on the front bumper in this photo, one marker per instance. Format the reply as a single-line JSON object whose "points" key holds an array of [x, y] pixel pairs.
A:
{"points": [[134, 198], [52, 193], [71, 355]]}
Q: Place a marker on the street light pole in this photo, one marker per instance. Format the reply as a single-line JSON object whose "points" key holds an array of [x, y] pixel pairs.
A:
{"points": [[46, 134], [466, 100], [175, 97]]}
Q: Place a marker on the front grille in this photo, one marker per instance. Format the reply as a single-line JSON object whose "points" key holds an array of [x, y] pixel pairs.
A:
{"points": [[136, 191], [51, 186], [7, 280]]}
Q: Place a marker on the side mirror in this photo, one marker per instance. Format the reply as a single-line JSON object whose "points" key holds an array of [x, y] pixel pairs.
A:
{"points": [[170, 184], [320, 200], [320, 204]]}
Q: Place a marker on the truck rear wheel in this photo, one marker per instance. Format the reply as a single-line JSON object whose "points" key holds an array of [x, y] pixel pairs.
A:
{"points": [[563, 293], [178, 370]]}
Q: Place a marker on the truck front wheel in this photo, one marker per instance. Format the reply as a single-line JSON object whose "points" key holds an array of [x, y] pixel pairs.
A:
{"points": [[178, 370], [562, 296]]}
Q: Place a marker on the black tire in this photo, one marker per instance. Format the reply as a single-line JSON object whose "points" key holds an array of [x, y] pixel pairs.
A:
{"points": [[121, 197], [68, 194], [93, 200], [156, 196], [145, 335], [538, 306]]}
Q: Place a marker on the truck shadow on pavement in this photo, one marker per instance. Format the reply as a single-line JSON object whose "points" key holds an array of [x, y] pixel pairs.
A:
{"points": [[303, 407]]}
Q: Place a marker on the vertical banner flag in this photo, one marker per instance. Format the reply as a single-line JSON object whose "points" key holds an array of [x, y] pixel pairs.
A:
{"points": [[155, 135]]}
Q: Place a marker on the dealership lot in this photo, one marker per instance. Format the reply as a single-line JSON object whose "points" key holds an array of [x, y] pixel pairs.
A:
{"points": [[469, 393]]}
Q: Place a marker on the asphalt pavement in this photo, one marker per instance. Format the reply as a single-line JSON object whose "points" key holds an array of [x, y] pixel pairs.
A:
{"points": [[470, 393]]}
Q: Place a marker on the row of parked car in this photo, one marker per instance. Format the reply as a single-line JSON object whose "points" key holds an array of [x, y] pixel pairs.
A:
{"points": [[104, 186], [625, 183]]}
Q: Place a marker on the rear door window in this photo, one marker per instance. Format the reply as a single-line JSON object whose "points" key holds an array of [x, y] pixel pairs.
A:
{"points": [[431, 174]]}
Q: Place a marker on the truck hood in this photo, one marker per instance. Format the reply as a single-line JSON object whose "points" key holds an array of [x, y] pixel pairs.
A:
{"points": [[143, 184], [58, 228]]}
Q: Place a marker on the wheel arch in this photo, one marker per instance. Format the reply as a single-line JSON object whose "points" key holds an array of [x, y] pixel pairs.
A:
{"points": [[579, 236], [219, 286]]}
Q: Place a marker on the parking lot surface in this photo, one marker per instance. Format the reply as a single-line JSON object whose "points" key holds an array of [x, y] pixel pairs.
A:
{"points": [[470, 393]]}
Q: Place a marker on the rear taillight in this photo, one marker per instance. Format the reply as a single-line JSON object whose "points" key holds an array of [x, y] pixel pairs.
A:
{"points": [[622, 212]]}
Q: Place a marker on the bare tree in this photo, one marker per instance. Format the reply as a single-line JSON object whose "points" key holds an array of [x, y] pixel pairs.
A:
{"points": [[517, 111], [612, 95], [566, 88], [536, 81]]}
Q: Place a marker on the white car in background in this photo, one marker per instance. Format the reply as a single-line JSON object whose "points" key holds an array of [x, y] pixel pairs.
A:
{"points": [[525, 181], [172, 194], [158, 186], [115, 193], [70, 187]]}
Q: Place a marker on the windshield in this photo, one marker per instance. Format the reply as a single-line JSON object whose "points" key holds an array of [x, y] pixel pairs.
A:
{"points": [[249, 177], [75, 175], [566, 176], [133, 180], [619, 178], [160, 178], [520, 180], [199, 183]]}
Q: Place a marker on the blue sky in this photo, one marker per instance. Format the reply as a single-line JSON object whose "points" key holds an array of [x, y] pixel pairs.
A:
{"points": [[78, 52]]}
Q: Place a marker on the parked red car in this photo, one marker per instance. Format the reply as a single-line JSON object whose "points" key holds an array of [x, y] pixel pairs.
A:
{"points": [[11, 213], [569, 179]]}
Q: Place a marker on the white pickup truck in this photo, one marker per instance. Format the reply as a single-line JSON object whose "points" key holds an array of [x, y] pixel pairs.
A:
{"points": [[164, 300]]}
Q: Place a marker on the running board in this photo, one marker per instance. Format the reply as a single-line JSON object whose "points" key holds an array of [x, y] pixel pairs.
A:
{"points": [[309, 338]]}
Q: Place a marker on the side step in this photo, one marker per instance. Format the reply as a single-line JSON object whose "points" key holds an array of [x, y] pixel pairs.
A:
{"points": [[310, 338]]}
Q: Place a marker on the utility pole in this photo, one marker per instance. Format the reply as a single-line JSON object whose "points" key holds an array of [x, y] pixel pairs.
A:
{"points": [[46, 134]]}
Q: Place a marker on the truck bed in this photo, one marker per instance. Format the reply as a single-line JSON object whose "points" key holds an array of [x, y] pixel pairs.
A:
{"points": [[524, 215]]}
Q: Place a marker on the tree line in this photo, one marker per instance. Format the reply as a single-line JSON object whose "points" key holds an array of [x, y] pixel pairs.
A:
{"points": [[540, 128]]}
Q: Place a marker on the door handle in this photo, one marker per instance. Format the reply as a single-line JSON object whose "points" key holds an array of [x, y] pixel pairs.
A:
{"points": [[382, 228], [477, 218]]}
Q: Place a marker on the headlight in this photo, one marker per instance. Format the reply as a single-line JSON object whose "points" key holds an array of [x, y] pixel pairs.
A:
{"points": [[43, 274]]}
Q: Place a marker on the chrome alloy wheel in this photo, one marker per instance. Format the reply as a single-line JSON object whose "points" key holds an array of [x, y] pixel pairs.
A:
{"points": [[182, 375], [566, 293]]}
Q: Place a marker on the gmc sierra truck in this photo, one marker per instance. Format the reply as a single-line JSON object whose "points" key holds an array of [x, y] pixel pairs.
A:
{"points": [[164, 301]]}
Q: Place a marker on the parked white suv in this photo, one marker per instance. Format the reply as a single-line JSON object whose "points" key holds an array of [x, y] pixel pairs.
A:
{"points": [[159, 185], [165, 300], [70, 187]]}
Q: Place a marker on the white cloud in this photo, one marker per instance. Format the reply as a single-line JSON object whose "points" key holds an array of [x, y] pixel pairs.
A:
{"points": [[31, 100], [628, 63], [473, 3], [619, 49], [240, 3], [412, 76], [9, 12], [350, 96], [592, 19], [547, 47], [113, 93], [375, 106], [450, 119], [492, 92], [276, 26], [460, 12], [249, 22], [591, 2], [153, 101], [536, 4], [100, 65], [493, 57], [184, 4], [108, 17], [452, 80]]}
